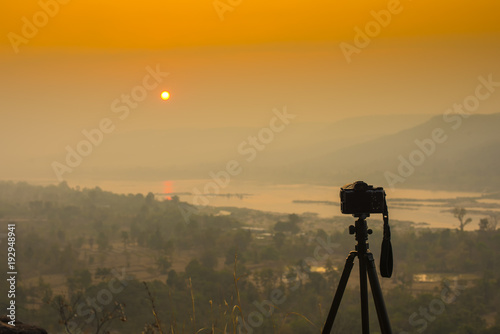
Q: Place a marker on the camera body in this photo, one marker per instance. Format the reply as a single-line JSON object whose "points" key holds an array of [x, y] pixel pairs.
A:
{"points": [[360, 198]]}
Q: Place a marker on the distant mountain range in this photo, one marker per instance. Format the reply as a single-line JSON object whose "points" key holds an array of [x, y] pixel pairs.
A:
{"points": [[194, 152], [397, 151], [405, 151], [438, 154]]}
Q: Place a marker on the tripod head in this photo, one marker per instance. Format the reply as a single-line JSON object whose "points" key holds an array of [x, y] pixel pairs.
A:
{"points": [[361, 231], [352, 228]]}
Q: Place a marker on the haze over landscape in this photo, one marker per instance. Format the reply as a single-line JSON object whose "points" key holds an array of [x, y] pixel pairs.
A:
{"points": [[218, 102], [273, 106], [227, 77]]}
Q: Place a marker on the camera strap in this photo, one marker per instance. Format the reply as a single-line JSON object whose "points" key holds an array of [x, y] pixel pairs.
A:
{"points": [[386, 263]]}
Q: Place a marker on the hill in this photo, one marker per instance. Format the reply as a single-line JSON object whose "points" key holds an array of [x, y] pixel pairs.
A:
{"points": [[431, 155]]}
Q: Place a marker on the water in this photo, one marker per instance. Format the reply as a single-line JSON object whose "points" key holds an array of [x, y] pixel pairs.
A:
{"points": [[279, 198]]}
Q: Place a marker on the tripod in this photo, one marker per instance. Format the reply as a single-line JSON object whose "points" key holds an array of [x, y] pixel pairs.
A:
{"points": [[366, 265]]}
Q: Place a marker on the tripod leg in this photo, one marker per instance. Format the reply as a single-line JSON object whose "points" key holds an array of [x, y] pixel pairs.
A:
{"points": [[363, 288], [340, 292], [378, 298]]}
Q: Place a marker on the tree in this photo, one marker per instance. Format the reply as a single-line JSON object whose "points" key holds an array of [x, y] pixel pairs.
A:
{"points": [[279, 239], [80, 280], [294, 218], [488, 224], [150, 199], [317, 282], [163, 264], [242, 239], [460, 214], [331, 272], [155, 240], [286, 227], [102, 241], [209, 259], [125, 238], [173, 279]]}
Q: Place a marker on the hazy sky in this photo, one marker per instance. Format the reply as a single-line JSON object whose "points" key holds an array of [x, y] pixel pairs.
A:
{"points": [[231, 65], [231, 62]]}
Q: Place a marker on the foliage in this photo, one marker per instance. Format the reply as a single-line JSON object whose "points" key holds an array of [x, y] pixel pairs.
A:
{"points": [[229, 276]]}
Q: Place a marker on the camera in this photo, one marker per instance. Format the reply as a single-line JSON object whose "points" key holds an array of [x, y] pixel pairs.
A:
{"points": [[360, 198]]}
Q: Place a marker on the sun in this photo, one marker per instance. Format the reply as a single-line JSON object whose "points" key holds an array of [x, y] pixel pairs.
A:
{"points": [[165, 95]]}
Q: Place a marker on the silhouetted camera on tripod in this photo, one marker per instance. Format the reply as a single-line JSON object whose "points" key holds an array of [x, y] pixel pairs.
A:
{"points": [[361, 200]]}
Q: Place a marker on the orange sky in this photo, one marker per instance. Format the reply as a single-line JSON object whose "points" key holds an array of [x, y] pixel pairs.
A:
{"points": [[167, 23], [265, 54]]}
